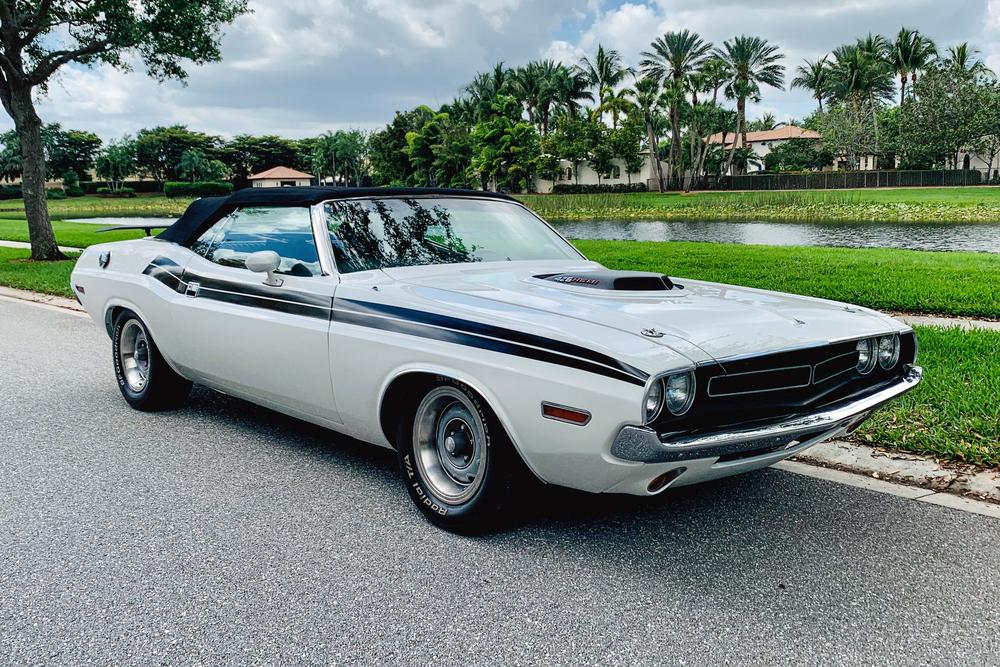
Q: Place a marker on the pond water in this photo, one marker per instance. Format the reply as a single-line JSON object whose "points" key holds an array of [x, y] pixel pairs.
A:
{"points": [[974, 237]]}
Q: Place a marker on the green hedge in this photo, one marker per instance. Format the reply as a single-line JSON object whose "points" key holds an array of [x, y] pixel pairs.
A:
{"points": [[197, 189], [573, 189], [55, 193], [10, 192]]}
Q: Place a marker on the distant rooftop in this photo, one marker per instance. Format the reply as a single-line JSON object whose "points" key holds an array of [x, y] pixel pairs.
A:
{"points": [[279, 172], [777, 134]]}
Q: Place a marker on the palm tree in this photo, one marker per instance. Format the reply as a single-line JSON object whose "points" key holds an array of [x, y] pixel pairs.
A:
{"points": [[605, 71], [752, 63], [571, 88], [909, 54], [963, 59], [673, 59], [855, 70], [646, 96], [484, 89], [615, 103], [812, 76], [713, 74]]}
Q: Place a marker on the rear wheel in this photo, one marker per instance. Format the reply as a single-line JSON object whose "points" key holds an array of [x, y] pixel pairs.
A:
{"points": [[457, 461], [145, 379]]}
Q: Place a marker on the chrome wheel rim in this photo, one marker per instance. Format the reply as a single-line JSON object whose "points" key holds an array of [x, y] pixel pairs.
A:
{"points": [[449, 441], [133, 354]]}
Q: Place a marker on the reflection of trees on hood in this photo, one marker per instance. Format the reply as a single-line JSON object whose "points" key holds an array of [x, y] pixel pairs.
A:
{"points": [[423, 236]]}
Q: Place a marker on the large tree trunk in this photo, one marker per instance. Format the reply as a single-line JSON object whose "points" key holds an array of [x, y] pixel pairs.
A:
{"points": [[736, 136], [36, 210], [654, 156]]}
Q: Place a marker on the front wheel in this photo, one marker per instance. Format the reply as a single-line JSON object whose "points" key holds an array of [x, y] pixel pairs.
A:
{"points": [[145, 379], [458, 463]]}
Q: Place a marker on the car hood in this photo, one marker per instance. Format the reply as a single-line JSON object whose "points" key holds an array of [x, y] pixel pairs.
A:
{"points": [[700, 320]]}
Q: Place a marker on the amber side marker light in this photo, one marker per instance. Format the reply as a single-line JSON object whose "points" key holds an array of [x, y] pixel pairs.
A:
{"points": [[563, 413]]}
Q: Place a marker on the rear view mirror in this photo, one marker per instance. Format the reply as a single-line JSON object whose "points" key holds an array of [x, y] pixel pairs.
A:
{"points": [[265, 261]]}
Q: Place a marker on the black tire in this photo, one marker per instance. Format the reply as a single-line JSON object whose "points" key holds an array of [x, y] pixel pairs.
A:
{"points": [[500, 467], [161, 387]]}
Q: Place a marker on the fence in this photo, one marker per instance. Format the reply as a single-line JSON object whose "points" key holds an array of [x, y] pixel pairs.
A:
{"points": [[835, 180]]}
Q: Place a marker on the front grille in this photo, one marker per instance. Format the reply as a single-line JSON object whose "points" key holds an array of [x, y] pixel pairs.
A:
{"points": [[761, 388]]}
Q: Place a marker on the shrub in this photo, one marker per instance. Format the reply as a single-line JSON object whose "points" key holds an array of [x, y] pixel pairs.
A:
{"points": [[197, 189], [574, 189], [120, 192], [74, 192], [55, 193], [103, 190], [10, 192]]}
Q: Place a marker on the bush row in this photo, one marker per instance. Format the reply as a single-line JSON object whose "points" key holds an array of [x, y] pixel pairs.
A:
{"points": [[94, 187], [197, 189], [120, 192], [574, 189]]}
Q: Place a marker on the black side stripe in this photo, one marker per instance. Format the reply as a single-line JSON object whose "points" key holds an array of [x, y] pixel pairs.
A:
{"points": [[400, 320], [491, 344], [482, 329]]}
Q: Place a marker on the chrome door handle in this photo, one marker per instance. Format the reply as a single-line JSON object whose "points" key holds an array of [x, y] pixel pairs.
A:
{"points": [[192, 289]]}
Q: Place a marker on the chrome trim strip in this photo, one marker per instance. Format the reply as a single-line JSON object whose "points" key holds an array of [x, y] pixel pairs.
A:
{"points": [[634, 443]]}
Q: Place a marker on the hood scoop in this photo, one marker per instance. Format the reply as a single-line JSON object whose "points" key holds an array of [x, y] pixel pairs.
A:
{"points": [[619, 281]]}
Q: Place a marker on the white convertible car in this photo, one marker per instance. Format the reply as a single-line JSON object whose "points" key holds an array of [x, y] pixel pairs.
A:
{"points": [[462, 331]]}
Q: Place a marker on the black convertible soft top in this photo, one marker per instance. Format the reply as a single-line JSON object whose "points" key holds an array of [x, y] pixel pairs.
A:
{"points": [[205, 212]]}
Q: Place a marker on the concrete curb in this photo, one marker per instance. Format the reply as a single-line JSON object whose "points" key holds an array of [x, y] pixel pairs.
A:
{"points": [[43, 299], [963, 323], [912, 470]]}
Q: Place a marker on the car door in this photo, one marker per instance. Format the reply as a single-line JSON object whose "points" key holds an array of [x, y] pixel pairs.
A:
{"points": [[265, 342]]}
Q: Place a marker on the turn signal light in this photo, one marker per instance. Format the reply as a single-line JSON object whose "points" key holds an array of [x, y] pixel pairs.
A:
{"points": [[565, 414]]}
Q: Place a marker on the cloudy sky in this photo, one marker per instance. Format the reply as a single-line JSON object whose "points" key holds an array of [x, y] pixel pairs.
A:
{"points": [[300, 67]]}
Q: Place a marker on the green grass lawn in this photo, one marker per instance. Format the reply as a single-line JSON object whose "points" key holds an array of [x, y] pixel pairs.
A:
{"points": [[75, 234], [955, 412], [947, 283], [978, 204], [16, 270]]}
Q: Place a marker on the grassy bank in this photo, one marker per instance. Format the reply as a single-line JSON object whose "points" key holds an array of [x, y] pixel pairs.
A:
{"points": [[947, 283], [75, 234], [155, 205], [955, 413], [980, 204], [16, 270]]}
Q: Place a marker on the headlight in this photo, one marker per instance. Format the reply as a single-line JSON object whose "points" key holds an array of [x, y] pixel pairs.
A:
{"points": [[679, 392], [888, 351], [866, 355], [654, 400]]}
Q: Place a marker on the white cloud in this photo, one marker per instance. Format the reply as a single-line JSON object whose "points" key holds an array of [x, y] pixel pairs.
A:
{"points": [[299, 67]]}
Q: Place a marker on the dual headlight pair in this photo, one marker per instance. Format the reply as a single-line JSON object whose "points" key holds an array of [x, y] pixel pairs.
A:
{"points": [[883, 351], [674, 392]]}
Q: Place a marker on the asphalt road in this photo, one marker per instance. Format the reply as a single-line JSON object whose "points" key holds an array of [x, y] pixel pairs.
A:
{"points": [[225, 533]]}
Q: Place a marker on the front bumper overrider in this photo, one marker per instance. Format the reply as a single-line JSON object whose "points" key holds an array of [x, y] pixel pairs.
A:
{"points": [[643, 445]]}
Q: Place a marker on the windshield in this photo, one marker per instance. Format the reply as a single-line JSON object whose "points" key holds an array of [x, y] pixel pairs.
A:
{"points": [[384, 233]]}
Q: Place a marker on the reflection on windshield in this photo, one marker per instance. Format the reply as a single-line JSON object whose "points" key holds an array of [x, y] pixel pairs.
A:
{"points": [[382, 233]]}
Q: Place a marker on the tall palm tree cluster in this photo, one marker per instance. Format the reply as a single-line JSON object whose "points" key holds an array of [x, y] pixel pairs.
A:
{"points": [[686, 100]]}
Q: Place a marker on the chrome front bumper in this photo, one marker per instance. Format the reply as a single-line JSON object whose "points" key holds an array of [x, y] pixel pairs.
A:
{"points": [[635, 443]]}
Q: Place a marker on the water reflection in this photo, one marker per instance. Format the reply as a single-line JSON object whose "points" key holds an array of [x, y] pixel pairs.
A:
{"points": [[974, 237]]}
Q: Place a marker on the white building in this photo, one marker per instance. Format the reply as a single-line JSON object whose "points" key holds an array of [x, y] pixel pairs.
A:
{"points": [[587, 175], [761, 143], [973, 160], [280, 177]]}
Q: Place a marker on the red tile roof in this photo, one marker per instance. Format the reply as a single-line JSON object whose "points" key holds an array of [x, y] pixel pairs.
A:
{"points": [[279, 172], [777, 134]]}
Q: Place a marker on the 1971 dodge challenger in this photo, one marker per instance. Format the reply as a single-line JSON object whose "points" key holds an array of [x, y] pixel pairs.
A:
{"points": [[462, 331]]}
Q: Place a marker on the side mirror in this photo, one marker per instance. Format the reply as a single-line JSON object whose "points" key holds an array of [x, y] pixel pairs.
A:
{"points": [[265, 261]]}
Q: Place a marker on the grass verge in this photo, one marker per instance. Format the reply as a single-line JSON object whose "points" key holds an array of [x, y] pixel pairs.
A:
{"points": [[979, 204], [16, 270], [955, 412], [74, 234], [944, 283]]}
